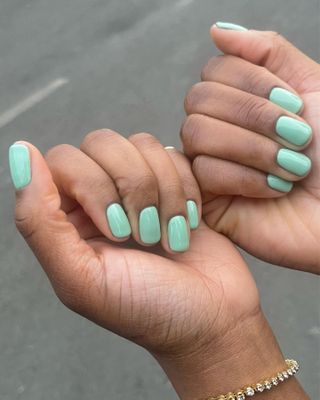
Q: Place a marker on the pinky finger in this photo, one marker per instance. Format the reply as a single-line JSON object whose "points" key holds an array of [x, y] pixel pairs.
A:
{"points": [[190, 186], [220, 177]]}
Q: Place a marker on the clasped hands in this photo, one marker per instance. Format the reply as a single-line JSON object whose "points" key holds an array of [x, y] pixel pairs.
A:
{"points": [[250, 168]]}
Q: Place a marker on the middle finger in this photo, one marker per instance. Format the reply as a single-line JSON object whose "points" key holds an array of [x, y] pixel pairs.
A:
{"points": [[248, 111]]}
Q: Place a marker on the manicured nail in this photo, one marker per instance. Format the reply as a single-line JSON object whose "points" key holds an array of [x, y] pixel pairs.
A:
{"points": [[293, 131], [178, 234], [20, 166], [149, 225], [276, 183], [118, 221], [285, 99], [294, 162], [230, 26], [193, 214]]}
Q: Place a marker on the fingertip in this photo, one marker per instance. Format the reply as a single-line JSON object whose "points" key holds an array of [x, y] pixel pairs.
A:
{"points": [[279, 187], [19, 165], [235, 39], [193, 214], [220, 29]]}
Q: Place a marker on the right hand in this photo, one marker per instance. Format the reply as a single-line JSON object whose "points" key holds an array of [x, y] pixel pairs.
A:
{"points": [[230, 136]]}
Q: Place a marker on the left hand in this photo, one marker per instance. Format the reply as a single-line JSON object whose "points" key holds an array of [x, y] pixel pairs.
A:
{"points": [[194, 311], [240, 150]]}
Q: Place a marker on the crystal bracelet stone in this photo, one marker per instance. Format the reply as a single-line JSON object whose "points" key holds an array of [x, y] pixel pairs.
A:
{"points": [[292, 367]]}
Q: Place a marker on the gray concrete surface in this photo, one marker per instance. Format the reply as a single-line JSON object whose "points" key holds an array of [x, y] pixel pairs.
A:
{"points": [[129, 64]]}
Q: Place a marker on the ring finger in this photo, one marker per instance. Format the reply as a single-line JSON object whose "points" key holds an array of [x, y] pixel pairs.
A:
{"points": [[202, 135], [173, 206], [248, 111]]}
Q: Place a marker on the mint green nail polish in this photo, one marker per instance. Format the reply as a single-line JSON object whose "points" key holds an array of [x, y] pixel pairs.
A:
{"points": [[149, 225], [285, 99], [276, 183], [230, 26], [193, 214], [178, 234], [118, 221], [293, 131], [294, 162], [20, 166]]}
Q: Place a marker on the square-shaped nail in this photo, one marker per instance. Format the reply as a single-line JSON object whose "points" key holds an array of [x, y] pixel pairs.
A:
{"points": [[193, 214], [293, 131], [118, 221], [281, 185], [294, 162], [285, 99], [149, 225], [20, 165], [178, 234]]}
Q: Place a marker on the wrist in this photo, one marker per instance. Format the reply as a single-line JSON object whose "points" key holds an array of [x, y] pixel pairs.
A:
{"points": [[243, 356]]}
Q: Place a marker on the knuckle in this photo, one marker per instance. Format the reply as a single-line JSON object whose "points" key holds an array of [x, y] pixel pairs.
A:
{"points": [[141, 136], [58, 152], [84, 191], [275, 36], [189, 182], [202, 169], [144, 185], [197, 165], [30, 216], [190, 130], [174, 189], [212, 66], [255, 78], [248, 181], [94, 138], [253, 111], [276, 51], [144, 140], [194, 96], [26, 224]]}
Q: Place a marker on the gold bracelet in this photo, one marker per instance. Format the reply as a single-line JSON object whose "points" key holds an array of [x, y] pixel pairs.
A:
{"points": [[265, 384]]}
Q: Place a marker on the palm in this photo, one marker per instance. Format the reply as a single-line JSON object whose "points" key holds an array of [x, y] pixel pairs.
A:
{"points": [[150, 298], [282, 231]]}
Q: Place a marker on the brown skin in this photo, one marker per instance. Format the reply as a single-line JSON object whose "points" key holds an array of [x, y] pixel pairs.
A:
{"points": [[196, 312], [117, 170], [230, 136]]}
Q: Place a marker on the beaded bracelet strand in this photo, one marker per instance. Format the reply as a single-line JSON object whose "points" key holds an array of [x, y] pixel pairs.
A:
{"points": [[265, 384]]}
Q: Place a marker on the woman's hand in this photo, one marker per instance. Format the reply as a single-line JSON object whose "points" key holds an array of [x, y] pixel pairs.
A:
{"points": [[245, 137], [195, 311]]}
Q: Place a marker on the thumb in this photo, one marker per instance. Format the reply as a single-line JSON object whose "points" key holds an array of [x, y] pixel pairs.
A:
{"points": [[65, 257], [270, 50]]}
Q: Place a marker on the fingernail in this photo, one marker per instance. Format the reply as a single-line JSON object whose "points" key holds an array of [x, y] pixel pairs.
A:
{"points": [[20, 166], [285, 99], [178, 234], [149, 225], [193, 214], [294, 162], [169, 148], [230, 26], [293, 131], [118, 221], [276, 183]]}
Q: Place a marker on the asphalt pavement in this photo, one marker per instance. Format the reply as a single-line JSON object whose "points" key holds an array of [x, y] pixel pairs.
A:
{"points": [[68, 67]]}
